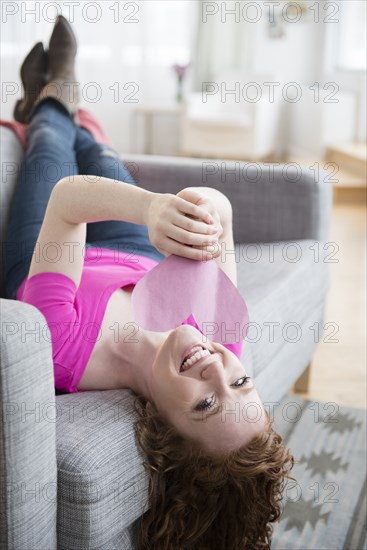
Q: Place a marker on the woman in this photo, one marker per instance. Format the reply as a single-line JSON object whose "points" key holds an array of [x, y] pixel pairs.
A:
{"points": [[81, 235]]}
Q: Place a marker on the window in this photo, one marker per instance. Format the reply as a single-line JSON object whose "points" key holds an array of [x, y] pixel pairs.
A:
{"points": [[351, 48]]}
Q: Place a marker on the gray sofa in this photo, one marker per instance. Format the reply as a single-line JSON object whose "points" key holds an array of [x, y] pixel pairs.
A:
{"points": [[71, 473]]}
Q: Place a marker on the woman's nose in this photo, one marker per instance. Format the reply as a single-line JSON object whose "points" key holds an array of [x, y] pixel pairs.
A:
{"points": [[213, 369]]}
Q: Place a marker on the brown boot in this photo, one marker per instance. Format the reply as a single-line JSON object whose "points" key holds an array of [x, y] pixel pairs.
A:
{"points": [[62, 85], [33, 73]]}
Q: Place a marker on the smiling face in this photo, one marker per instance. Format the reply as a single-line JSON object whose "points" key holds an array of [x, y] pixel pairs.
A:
{"points": [[217, 380]]}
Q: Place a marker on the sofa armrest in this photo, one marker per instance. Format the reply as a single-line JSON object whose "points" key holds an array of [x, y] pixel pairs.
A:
{"points": [[28, 470], [270, 202]]}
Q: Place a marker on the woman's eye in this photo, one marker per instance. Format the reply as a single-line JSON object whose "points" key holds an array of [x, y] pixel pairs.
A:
{"points": [[245, 379], [206, 404]]}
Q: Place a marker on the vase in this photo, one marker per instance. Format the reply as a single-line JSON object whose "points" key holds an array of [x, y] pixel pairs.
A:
{"points": [[179, 94]]}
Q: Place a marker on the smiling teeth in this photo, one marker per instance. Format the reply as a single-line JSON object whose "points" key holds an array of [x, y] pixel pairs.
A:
{"points": [[198, 355]]}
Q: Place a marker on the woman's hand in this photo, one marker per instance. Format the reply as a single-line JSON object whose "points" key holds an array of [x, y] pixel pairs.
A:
{"points": [[195, 196], [179, 226]]}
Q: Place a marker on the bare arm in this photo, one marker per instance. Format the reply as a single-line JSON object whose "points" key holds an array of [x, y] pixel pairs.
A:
{"points": [[227, 257], [93, 199], [74, 202]]}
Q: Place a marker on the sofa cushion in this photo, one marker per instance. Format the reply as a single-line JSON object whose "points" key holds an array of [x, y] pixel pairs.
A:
{"points": [[102, 484], [281, 295]]}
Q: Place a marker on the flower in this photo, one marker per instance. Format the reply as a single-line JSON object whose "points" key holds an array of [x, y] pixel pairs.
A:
{"points": [[180, 70]]}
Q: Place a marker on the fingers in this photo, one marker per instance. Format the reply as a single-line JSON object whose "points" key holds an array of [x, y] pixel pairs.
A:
{"points": [[195, 226], [196, 211], [189, 238], [199, 254]]}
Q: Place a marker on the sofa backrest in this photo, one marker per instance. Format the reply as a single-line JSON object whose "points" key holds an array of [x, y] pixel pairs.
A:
{"points": [[11, 156]]}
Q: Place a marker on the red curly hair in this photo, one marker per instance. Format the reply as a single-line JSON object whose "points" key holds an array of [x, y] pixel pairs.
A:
{"points": [[202, 501]]}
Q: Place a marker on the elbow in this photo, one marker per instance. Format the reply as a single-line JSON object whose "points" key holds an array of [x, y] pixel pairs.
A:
{"points": [[64, 183], [67, 180], [226, 204], [60, 184]]}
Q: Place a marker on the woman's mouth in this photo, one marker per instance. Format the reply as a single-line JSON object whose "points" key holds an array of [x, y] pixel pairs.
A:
{"points": [[196, 354]]}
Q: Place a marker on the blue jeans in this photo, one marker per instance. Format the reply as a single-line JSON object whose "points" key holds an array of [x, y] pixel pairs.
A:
{"points": [[58, 148]]}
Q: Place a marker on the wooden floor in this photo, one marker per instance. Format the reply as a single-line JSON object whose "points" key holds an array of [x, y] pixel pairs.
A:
{"points": [[338, 371]]}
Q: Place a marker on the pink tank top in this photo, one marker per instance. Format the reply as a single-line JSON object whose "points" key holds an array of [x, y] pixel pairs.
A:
{"points": [[74, 315]]}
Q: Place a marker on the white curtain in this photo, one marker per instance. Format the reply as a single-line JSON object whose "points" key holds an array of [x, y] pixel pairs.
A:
{"points": [[222, 43], [125, 53]]}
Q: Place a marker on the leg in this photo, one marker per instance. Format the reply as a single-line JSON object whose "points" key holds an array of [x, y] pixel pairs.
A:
{"points": [[49, 157], [97, 159], [303, 382]]}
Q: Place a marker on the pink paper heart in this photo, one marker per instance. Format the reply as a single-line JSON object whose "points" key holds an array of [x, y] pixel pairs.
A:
{"points": [[178, 287]]}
